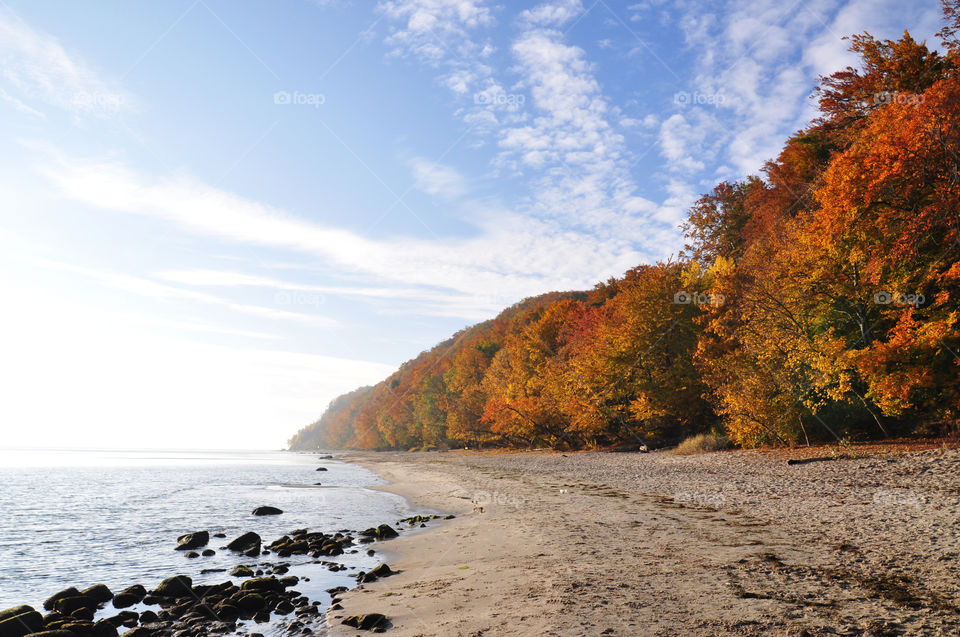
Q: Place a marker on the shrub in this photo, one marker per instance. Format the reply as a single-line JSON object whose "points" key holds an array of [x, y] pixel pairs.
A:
{"points": [[702, 443]]}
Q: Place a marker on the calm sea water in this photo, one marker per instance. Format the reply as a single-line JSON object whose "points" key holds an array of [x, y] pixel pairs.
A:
{"points": [[78, 518]]}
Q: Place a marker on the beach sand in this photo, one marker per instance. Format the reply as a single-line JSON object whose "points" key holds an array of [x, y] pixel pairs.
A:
{"points": [[730, 543]]}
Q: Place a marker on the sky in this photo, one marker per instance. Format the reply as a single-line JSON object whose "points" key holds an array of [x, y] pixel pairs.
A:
{"points": [[218, 215]]}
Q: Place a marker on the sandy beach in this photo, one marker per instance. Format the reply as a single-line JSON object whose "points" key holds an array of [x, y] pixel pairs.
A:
{"points": [[732, 543]]}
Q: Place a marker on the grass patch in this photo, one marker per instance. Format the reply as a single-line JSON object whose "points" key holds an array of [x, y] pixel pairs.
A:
{"points": [[702, 443]]}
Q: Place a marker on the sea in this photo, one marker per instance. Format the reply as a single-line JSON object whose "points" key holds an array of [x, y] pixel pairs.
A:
{"points": [[85, 517]]}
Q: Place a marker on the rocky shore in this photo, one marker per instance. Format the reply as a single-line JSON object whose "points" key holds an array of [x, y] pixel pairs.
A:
{"points": [[263, 593]]}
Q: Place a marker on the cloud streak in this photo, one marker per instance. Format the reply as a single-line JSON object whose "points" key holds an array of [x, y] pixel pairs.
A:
{"points": [[37, 68]]}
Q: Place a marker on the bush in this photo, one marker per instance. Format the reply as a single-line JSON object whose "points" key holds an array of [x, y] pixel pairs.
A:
{"points": [[702, 443]]}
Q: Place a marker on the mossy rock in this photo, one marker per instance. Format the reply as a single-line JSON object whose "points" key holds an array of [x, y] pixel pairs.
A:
{"points": [[99, 593], [18, 625], [366, 622], [263, 584], [192, 541], [175, 586], [67, 592]]}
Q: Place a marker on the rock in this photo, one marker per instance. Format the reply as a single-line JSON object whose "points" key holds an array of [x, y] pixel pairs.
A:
{"points": [[18, 624], [129, 596], [242, 571], [246, 543], [251, 602], [382, 570], [366, 622], [220, 535], [17, 610], [321, 468], [193, 554], [262, 584], [126, 618], [267, 511], [227, 612], [148, 617], [140, 631], [385, 531], [83, 614], [99, 593], [67, 605], [68, 592], [54, 633], [283, 607], [449, 517], [192, 540], [176, 586], [103, 628], [209, 553], [374, 574]]}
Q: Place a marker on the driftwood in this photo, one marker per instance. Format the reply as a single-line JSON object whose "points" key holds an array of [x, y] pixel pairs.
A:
{"points": [[809, 460]]}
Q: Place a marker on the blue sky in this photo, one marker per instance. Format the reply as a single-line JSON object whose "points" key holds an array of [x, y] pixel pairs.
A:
{"points": [[217, 215]]}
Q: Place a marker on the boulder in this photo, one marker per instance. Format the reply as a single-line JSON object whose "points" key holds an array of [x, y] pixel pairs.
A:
{"points": [[242, 571], [176, 586], [246, 543], [381, 570], [18, 624], [321, 468], [263, 584], [208, 553], [16, 610], [385, 532], [54, 633], [67, 592], [67, 605], [148, 617], [265, 510], [192, 541], [103, 628], [251, 602], [99, 593], [126, 618], [129, 596], [366, 622]]}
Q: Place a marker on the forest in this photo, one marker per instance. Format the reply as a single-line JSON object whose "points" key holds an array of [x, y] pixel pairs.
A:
{"points": [[814, 301]]}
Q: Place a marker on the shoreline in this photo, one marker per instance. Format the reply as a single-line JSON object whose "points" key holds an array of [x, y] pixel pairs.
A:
{"points": [[735, 542], [281, 573]]}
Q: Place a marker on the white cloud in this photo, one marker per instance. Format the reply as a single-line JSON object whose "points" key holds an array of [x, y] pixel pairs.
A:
{"points": [[509, 257], [19, 105], [760, 60], [145, 287], [36, 67], [435, 30], [437, 179], [552, 14]]}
